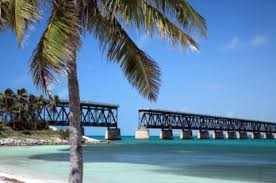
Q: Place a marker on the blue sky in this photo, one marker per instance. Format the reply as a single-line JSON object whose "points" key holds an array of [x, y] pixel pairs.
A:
{"points": [[232, 75]]}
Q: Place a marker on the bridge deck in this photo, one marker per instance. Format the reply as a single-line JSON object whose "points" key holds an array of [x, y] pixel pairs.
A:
{"points": [[92, 114], [150, 118]]}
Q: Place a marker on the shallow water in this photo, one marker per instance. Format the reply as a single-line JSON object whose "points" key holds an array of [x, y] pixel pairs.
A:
{"points": [[153, 161]]}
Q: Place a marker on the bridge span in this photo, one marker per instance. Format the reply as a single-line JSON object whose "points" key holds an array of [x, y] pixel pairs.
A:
{"points": [[91, 114], [186, 122]]}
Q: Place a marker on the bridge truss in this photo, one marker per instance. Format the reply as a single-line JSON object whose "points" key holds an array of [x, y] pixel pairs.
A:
{"points": [[149, 118], [91, 114]]}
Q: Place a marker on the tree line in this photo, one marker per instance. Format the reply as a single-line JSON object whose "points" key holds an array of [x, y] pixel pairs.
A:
{"points": [[20, 109]]}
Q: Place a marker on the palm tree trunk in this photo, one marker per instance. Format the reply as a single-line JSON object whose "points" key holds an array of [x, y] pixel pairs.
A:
{"points": [[76, 159]]}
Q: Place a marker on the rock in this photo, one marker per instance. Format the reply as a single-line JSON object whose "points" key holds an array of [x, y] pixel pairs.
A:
{"points": [[30, 141]]}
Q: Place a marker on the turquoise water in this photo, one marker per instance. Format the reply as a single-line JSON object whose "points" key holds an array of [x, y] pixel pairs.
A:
{"points": [[153, 161]]}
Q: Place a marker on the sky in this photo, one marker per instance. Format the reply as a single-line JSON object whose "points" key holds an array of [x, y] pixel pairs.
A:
{"points": [[232, 75]]}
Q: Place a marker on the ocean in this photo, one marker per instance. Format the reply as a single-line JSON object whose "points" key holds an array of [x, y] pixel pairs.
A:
{"points": [[151, 161]]}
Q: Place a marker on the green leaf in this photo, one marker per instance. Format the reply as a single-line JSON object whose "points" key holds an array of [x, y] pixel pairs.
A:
{"points": [[57, 46], [141, 71]]}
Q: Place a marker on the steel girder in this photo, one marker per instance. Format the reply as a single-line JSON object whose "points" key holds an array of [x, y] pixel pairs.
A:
{"points": [[149, 118]]}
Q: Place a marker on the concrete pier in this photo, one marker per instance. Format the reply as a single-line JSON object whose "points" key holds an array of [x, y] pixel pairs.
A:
{"points": [[256, 135], [166, 134], [231, 135], [204, 134], [269, 135], [142, 134], [186, 134], [218, 135], [242, 135], [113, 134]]}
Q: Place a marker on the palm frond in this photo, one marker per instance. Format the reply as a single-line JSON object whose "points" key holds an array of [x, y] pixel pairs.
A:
{"points": [[165, 27], [141, 70], [4, 15], [18, 15], [181, 10], [150, 15], [129, 11], [57, 46]]}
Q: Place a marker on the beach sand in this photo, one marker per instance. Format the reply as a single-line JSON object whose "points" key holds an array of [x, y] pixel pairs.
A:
{"points": [[13, 178]]}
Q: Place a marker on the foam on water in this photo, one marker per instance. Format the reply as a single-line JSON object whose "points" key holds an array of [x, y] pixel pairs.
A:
{"points": [[154, 161]]}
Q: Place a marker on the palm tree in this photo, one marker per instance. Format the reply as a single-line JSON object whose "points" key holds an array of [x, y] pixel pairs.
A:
{"points": [[32, 107], [9, 102], [22, 104], [2, 102], [2, 110], [106, 20], [40, 104]]}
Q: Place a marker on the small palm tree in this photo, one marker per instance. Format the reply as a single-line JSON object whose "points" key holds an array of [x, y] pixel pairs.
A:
{"points": [[10, 100], [32, 107], [106, 20], [22, 104], [2, 110], [41, 103], [2, 102]]}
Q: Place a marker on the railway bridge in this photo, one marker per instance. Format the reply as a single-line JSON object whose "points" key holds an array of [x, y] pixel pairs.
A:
{"points": [[91, 114], [234, 128]]}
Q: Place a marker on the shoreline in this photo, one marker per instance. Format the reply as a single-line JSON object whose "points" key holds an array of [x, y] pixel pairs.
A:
{"points": [[32, 141], [14, 142], [6, 177]]}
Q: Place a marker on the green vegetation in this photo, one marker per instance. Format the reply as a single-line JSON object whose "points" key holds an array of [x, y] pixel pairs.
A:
{"points": [[19, 116], [8, 132], [21, 109]]}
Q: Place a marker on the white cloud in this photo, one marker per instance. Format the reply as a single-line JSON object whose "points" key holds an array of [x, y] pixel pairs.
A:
{"points": [[258, 40], [236, 43]]}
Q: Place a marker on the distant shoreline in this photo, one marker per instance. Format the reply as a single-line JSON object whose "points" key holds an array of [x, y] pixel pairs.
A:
{"points": [[11, 142], [10, 137]]}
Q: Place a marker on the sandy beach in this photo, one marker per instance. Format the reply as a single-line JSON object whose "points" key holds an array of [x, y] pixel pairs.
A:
{"points": [[6, 177]]}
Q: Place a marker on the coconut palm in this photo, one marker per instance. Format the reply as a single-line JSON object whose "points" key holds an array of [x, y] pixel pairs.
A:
{"points": [[41, 102], [107, 21], [32, 107], [2, 102], [22, 104], [10, 100], [2, 109]]}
